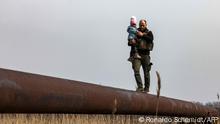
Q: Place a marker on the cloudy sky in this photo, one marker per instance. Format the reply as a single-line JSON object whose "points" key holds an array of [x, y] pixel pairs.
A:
{"points": [[86, 40]]}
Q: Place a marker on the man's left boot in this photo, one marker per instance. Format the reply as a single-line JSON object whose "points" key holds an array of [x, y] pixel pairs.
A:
{"points": [[139, 89], [146, 90]]}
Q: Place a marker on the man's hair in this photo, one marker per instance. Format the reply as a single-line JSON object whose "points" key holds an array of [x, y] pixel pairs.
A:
{"points": [[144, 20]]}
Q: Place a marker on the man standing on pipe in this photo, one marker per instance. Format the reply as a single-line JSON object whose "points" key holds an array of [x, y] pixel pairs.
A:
{"points": [[144, 45]]}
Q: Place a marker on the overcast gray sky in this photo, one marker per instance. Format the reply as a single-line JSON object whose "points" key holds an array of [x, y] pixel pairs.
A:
{"points": [[86, 40]]}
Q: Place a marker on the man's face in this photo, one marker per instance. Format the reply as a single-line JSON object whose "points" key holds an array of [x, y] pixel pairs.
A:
{"points": [[142, 25]]}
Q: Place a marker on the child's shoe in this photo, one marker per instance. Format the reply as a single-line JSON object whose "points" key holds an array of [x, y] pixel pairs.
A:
{"points": [[130, 59]]}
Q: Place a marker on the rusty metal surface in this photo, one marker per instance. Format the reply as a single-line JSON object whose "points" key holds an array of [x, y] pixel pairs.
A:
{"points": [[30, 93]]}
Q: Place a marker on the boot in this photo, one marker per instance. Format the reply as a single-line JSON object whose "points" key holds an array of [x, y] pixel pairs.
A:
{"points": [[139, 89], [146, 90], [130, 59]]}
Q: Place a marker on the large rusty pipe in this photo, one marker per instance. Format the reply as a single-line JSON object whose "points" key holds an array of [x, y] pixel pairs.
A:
{"points": [[22, 92]]}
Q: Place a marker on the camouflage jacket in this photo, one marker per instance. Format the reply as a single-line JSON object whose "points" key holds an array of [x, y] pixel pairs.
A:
{"points": [[145, 42]]}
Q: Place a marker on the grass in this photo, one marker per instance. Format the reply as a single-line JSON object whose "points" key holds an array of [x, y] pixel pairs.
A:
{"points": [[158, 90], [67, 119], [72, 119]]}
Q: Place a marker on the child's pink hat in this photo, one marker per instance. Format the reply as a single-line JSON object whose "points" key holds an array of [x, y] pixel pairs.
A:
{"points": [[133, 20]]}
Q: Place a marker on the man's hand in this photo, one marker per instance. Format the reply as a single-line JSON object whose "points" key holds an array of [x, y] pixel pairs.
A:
{"points": [[140, 33], [132, 42]]}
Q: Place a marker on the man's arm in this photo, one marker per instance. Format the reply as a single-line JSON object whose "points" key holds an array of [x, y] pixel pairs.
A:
{"points": [[148, 36]]}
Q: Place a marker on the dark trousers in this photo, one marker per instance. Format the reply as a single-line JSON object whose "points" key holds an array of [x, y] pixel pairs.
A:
{"points": [[146, 65]]}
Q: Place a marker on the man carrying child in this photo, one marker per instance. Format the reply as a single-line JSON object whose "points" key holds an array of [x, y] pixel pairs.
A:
{"points": [[140, 55]]}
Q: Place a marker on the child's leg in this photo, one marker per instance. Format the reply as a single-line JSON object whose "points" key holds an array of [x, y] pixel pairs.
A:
{"points": [[131, 58], [136, 54], [133, 50]]}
